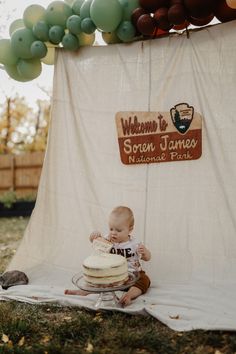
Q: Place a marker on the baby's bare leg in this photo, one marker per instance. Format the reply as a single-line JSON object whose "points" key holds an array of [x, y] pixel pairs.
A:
{"points": [[131, 294], [76, 292]]}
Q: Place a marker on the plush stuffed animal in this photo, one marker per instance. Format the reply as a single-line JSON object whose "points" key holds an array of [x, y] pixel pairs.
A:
{"points": [[12, 278]]}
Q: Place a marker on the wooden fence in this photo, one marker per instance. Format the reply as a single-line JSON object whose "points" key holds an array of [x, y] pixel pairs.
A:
{"points": [[20, 173]]}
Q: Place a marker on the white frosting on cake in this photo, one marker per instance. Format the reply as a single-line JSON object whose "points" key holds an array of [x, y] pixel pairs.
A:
{"points": [[105, 269]]}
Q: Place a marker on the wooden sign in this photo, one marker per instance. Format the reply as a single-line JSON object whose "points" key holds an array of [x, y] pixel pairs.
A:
{"points": [[148, 137]]}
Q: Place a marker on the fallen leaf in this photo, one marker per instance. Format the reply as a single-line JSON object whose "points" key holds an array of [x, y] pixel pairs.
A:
{"points": [[218, 352], [67, 318], [174, 317], [89, 348], [98, 317], [5, 338], [10, 344], [21, 341], [46, 339]]}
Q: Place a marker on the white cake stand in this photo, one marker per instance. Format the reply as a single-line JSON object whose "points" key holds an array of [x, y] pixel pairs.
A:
{"points": [[107, 295]]}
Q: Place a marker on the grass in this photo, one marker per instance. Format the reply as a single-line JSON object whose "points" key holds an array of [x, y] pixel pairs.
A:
{"points": [[53, 329]]}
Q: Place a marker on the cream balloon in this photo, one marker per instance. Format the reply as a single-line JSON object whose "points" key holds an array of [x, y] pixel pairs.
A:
{"points": [[33, 14], [50, 56], [231, 3], [18, 23], [86, 39]]}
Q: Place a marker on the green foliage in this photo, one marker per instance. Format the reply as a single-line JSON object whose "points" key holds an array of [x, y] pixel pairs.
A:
{"points": [[10, 197]]}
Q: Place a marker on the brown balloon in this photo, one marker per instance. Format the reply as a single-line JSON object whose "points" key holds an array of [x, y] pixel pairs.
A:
{"points": [[223, 12], [136, 14], [176, 2], [201, 21], [177, 14], [182, 26], [150, 5], [146, 25], [199, 8], [161, 15]]}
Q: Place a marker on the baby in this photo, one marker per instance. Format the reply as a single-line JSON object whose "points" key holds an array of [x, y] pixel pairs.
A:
{"points": [[121, 223]]}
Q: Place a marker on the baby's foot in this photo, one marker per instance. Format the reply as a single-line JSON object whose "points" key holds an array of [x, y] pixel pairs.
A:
{"points": [[76, 292], [125, 300]]}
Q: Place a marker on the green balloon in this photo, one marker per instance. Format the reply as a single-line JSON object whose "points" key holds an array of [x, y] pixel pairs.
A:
{"points": [[38, 49], [73, 24], [29, 69], [110, 37], [126, 31], [88, 26], [70, 42], [86, 39], [69, 2], [33, 14], [14, 74], [76, 6], [21, 41], [128, 7], [85, 9], [17, 24], [40, 30], [57, 13], [106, 15], [56, 34], [7, 55]]}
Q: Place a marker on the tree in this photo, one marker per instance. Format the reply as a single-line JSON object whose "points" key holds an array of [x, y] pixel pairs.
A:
{"points": [[21, 129], [39, 141]]}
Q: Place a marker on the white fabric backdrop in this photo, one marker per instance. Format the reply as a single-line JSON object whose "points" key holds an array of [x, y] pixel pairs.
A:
{"points": [[185, 211]]}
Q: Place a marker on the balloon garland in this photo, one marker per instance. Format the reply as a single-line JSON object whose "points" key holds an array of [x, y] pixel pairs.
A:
{"points": [[72, 23]]}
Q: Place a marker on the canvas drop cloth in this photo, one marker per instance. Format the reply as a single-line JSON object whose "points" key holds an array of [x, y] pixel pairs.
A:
{"points": [[185, 212]]}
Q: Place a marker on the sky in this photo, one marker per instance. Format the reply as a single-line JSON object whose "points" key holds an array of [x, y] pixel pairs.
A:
{"points": [[11, 10]]}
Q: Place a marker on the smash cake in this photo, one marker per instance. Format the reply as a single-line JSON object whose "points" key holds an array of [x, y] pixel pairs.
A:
{"points": [[103, 269]]}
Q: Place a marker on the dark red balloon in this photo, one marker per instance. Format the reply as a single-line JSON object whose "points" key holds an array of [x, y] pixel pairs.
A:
{"points": [[161, 18], [146, 25], [159, 32], [161, 14], [136, 14], [177, 14], [201, 21], [223, 12], [199, 8]]}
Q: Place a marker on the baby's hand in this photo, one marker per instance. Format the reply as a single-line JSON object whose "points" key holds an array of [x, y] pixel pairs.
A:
{"points": [[143, 252], [94, 234]]}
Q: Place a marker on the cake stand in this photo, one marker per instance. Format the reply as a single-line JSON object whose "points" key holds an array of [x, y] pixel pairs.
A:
{"points": [[107, 295]]}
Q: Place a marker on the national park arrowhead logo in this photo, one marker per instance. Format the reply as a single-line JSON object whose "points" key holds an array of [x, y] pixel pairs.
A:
{"points": [[182, 116]]}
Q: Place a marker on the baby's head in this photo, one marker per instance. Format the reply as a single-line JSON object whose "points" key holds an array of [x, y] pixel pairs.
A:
{"points": [[121, 223]]}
